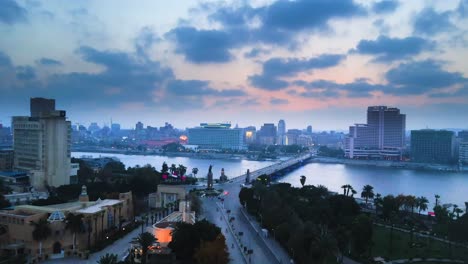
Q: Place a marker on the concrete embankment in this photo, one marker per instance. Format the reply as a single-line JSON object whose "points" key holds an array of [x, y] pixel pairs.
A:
{"points": [[386, 164]]}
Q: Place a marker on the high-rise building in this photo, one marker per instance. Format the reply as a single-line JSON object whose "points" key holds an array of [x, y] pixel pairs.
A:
{"points": [[309, 129], [463, 135], [216, 136], [40, 106], [281, 133], [94, 127], [267, 134], [382, 137], [432, 146], [139, 126], [42, 147], [115, 128]]}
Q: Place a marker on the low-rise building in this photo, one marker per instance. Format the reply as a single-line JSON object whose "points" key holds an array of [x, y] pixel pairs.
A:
{"points": [[99, 218], [165, 195]]}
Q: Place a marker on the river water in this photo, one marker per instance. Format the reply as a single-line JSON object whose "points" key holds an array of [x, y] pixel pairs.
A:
{"points": [[451, 186]]}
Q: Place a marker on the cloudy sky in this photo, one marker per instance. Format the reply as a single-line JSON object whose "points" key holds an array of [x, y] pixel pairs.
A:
{"points": [[315, 62]]}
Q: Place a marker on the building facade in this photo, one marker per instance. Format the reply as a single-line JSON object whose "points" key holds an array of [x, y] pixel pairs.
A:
{"points": [[463, 153], [432, 146], [42, 147], [281, 140], [99, 217], [383, 136], [6, 159], [216, 136], [267, 134]]}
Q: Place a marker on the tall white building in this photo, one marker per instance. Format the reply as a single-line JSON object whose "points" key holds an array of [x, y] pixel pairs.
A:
{"points": [[281, 134], [42, 148], [382, 137]]}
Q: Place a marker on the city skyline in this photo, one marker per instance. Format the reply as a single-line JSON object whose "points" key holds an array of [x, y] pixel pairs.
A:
{"points": [[192, 62]]}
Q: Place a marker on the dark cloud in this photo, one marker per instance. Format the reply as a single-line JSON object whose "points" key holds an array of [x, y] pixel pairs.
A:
{"points": [[25, 73], [11, 12], [278, 101], [421, 77], [267, 83], [279, 24], [287, 67], [388, 49], [326, 88], [255, 52], [145, 39], [203, 46], [48, 62], [385, 6], [431, 22], [199, 88]]}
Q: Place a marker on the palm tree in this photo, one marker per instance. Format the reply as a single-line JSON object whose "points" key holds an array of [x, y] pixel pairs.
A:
{"points": [[457, 210], [182, 170], [145, 240], [74, 222], [378, 202], [437, 197], [421, 203], [173, 168], [367, 192], [108, 259], [303, 179], [164, 168], [353, 192], [195, 171], [346, 189], [41, 232], [411, 202]]}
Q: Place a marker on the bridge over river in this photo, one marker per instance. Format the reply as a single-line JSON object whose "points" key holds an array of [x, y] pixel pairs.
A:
{"points": [[276, 168]]}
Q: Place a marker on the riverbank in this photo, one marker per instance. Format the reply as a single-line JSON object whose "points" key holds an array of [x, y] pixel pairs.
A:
{"points": [[389, 164], [195, 155]]}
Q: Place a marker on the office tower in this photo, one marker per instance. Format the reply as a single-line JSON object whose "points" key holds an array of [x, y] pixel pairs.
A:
{"points": [[40, 106], [309, 129], [463, 153], [94, 127], [42, 147], [216, 136], [6, 159], [382, 137], [432, 146], [281, 133], [267, 134], [115, 128], [139, 126], [292, 136], [463, 136]]}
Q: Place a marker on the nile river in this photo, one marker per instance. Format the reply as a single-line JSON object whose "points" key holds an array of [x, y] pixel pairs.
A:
{"points": [[451, 186]]}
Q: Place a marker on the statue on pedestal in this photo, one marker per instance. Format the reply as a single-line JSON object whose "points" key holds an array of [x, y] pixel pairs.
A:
{"points": [[247, 177], [210, 178], [223, 177]]}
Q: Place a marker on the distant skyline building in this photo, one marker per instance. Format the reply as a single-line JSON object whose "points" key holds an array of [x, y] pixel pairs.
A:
{"points": [[432, 146], [250, 135], [309, 129], [281, 133], [216, 136], [292, 135], [382, 137], [267, 134], [42, 148]]}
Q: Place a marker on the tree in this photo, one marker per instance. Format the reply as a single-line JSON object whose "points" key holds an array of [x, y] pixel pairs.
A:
{"points": [[378, 202], [421, 203], [145, 240], [411, 202], [353, 192], [212, 252], [181, 170], [41, 232], [173, 168], [195, 171], [164, 168], [108, 259], [361, 234], [367, 192], [323, 246], [437, 197], [303, 180], [74, 223]]}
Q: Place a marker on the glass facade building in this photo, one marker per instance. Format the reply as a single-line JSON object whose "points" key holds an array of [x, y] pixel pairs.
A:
{"points": [[216, 136]]}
